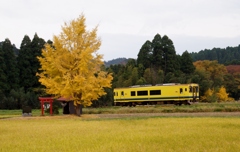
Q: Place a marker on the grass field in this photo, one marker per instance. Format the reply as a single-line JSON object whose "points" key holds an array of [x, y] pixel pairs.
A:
{"points": [[199, 107], [178, 128], [148, 134]]}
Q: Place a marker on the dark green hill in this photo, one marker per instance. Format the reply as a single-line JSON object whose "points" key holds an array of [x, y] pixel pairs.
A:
{"points": [[116, 61]]}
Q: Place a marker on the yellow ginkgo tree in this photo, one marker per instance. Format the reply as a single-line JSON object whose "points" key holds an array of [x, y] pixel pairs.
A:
{"points": [[71, 66]]}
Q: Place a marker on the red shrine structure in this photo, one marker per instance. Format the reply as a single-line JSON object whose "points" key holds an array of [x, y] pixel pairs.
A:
{"points": [[46, 100], [67, 104]]}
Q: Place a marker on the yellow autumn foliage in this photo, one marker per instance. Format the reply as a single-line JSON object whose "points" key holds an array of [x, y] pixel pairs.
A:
{"points": [[208, 96], [213, 96], [222, 95], [213, 68], [71, 67]]}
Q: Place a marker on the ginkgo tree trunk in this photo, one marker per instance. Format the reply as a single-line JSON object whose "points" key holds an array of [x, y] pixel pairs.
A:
{"points": [[71, 66]]}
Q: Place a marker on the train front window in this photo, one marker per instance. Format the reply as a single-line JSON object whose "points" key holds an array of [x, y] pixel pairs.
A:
{"points": [[142, 93], [155, 92], [115, 93], [133, 93], [196, 89]]}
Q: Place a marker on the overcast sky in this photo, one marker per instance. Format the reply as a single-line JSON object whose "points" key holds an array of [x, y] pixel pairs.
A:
{"points": [[125, 25]]}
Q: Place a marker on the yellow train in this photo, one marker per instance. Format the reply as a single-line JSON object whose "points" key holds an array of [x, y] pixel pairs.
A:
{"points": [[170, 93]]}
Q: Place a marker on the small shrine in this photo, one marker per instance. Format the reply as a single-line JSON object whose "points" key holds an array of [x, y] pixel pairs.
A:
{"points": [[67, 105], [46, 100]]}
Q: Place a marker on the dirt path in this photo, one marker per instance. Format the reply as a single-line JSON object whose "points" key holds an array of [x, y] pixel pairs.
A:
{"points": [[199, 114]]}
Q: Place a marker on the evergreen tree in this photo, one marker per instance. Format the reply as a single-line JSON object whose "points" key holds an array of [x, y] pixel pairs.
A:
{"points": [[24, 59], [145, 54], [131, 62], [37, 45], [3, 76], [187, 66], [171, 63], [11, 69], [158, 54]]}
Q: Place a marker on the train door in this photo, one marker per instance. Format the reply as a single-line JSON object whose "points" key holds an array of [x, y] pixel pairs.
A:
{"points": [[181, 92], [177, 100], [122, 95]]}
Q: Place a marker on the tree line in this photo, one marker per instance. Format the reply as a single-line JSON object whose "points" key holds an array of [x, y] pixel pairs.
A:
{"points": [[156, 63], [19, 84], [226, 56]]}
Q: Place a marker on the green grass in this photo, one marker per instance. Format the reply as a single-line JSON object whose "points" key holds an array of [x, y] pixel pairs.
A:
{"points": [[16, 113], [70, 133], [199, 107]]}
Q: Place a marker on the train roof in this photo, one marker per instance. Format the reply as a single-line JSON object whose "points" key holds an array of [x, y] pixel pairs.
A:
{"points": [[163, 84]]}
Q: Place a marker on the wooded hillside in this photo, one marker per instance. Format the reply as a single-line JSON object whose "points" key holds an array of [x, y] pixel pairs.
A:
{"points": [[226, 56]]}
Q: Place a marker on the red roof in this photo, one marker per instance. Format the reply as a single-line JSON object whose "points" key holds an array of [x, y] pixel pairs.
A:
{"points": [[63, 99]]}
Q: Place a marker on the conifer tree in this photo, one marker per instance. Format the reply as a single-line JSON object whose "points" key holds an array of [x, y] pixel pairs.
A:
{"points": [[37, 45], [3, 76], [24, 59], [171, 64], [187, 66], [158, 54], [145, 55], [11, 70]]}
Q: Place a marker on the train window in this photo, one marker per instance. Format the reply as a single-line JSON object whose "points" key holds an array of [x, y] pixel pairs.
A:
{"points": [[181, 90], [185, 89], [196, 89], [190, 89], [122, 93], [155, 92], [142, 93], [133, 93]]}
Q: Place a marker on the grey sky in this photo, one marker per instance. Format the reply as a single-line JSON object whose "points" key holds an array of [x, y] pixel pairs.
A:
{"points": [[125, 25]]}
